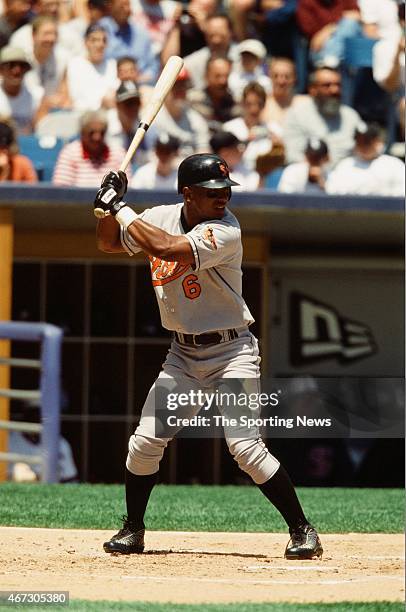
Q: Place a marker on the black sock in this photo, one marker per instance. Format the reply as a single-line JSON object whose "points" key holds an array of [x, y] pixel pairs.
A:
{"points": [[281, 493], [137, 492]]}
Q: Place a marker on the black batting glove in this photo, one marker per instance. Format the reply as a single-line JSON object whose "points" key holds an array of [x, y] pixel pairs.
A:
{"points": [[117, 181], [110, 194]]}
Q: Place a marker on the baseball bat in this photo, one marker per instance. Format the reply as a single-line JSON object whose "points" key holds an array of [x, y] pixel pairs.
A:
{"points": [[163, 85]]}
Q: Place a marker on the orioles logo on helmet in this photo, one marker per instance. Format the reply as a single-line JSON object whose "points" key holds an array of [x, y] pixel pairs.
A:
{"points": [[223, 169]]}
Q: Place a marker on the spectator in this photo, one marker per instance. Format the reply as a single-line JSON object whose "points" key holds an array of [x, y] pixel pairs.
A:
{"points": [[127, 69], [379, 18], [187, 35], [231, 149], [274, 20], [215, 102], [252, 56], [30, 444], [75, 29], [270, 166], [181, 121], [124, 120], [326, 24], [308, 176], [388, 61], [368, 171], [162, 171], [15, 15], [321, 115], [125, 37], [23, 37], [158, 18], [92, 80], [16, 101], [283, 78], [49, 61], [13, 166], [84, 162], [218, 35], [249, 127]]}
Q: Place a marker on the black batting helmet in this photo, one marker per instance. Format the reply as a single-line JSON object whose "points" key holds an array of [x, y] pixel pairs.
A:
{"points": [[204, 170]]}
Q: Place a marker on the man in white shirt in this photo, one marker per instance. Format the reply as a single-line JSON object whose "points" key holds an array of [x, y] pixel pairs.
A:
{"points": [[321, 115], [368, 171], [92, 80], [22, 37], [161, 172]]}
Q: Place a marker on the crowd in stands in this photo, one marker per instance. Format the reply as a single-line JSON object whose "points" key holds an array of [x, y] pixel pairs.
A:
{"points": [[273, 86]]}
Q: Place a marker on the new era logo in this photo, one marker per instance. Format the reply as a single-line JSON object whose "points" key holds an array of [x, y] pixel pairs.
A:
{"points": [[319, 332]]}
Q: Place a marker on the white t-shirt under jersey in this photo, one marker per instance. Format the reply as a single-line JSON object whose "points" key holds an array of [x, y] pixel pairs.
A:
{"points": [[206, 296]]}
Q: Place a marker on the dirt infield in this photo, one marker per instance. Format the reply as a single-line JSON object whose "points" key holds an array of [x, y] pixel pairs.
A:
{"points": [[202, 567]]}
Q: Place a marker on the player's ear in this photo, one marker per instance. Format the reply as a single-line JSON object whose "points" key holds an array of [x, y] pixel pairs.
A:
{"points": [[187, 194]]}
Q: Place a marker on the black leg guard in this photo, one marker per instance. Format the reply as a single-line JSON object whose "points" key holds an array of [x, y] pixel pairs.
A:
{"points": [[281, 493]]}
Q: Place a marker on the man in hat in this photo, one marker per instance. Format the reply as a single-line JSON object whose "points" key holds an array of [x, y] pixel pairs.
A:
{"points": [[16, 100], [160, 172], [123, 122], [228, 146], [368, 171], [250, 68], [309, 175]]}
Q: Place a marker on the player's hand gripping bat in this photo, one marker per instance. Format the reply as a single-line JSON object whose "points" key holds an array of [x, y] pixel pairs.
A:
{"points": [[164, 84]]}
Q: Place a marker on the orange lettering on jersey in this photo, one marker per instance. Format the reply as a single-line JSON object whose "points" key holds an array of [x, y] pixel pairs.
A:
{"points": [[163, 272]]}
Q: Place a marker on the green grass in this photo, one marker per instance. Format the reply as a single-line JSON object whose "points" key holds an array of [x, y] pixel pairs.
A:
{"points": [[105, 606], [199, 508]]}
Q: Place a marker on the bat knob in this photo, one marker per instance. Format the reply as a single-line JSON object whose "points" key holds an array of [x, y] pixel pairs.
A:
{"points": [[99, 213]]}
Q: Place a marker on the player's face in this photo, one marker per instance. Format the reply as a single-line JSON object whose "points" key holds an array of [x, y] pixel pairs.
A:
{"points": [[205, 204]]}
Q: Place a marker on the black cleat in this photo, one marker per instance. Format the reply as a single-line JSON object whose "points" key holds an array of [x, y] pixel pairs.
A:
{"points": [[304, 543], [129, 540]]}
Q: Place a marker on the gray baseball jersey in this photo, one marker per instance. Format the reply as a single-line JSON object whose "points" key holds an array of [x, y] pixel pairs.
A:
{"points": [[206, 296]]}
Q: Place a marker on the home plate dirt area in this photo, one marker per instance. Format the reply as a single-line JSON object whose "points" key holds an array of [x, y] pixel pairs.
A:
{"points": [[195, 567]]}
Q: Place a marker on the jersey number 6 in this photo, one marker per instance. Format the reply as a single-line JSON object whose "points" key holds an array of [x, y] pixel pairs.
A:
{"points": [[191, 287]]}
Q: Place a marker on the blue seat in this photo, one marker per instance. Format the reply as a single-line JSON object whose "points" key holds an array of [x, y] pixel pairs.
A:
{"points": [[43, 152], [272, 179]]}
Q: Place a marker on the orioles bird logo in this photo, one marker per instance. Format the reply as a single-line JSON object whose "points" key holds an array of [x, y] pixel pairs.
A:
{"points": [[223, 169], [209, 235]]}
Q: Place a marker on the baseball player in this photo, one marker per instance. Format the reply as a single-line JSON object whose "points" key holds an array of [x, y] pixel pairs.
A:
{"points": [[195, 254]]}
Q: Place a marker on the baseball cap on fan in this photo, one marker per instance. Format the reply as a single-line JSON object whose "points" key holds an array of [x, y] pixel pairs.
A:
{"points": [[253, 46], [367, 132], [14, 54], [127, 91], [221, 140], [167, 142]]}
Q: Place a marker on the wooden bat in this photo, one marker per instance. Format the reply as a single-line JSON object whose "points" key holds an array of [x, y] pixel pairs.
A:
{"points": [[163, 85]]}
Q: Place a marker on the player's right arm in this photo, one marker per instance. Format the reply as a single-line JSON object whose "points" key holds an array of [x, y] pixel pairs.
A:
{"points": [[144, 236]]}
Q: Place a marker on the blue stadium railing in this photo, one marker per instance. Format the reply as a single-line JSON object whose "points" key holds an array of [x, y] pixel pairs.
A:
{"points": [[48, 395]]}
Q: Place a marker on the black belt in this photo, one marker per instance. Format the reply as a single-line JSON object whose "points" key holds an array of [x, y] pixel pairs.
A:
{"points": [[216, 337]]}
